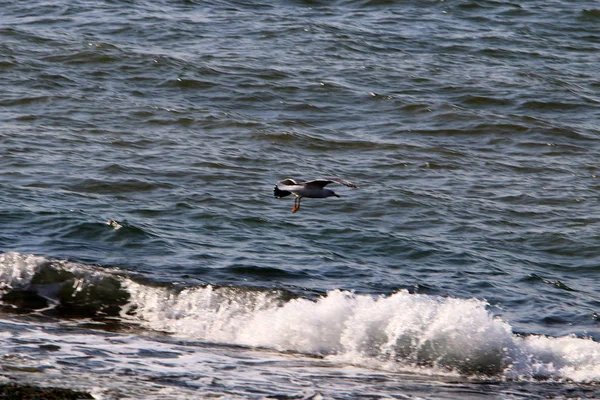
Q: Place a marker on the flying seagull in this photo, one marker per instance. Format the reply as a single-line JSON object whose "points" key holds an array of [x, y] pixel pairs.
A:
{"points": [[313, 189]]}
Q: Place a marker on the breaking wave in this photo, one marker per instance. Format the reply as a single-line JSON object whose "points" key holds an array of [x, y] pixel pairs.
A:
{"points": [[400, 332]]}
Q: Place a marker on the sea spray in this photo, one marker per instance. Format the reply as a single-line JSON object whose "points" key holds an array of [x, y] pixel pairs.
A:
{"points": [[406, 329], [566, 358], [16, 270], [401, 332]]}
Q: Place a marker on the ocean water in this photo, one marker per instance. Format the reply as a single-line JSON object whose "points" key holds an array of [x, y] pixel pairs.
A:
{"points": [[143, 255]]}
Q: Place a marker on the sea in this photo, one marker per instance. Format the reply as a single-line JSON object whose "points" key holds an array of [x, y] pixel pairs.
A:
{"points": [[143, 254]]}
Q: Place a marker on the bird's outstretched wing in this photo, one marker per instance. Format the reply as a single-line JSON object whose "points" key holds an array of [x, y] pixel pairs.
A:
{"points": [[322, 182]]}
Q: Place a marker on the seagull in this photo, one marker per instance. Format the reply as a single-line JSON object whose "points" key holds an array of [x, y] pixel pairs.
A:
{"points": [[313, 189]]}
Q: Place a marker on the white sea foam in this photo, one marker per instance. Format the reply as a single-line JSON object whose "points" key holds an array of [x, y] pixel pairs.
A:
{"points": [[16, 270], [399, 332], [563, 358]]}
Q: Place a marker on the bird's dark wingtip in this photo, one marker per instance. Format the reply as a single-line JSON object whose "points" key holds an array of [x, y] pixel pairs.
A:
{"points": [[280, 193]]}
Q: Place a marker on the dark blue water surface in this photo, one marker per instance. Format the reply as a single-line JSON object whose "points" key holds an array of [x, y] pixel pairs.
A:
{"points": [[140, 142]]}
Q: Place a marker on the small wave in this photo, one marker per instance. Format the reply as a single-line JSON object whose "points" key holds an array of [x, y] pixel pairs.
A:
{"points": [[98, 186], [592, 13], [242, 270], [401, 332], [65, 289]]}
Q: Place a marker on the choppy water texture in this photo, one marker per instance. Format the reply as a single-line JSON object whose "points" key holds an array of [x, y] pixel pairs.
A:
{"points": [[143, 255]]}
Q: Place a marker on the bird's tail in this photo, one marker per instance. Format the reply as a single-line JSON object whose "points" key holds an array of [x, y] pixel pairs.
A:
{"points": [[280, 193]]}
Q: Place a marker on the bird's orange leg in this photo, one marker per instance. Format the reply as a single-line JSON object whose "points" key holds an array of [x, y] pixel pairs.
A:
{"points": [[296, 205]]}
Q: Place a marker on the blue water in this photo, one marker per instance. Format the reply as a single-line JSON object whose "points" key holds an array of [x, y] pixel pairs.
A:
{"points": [[140, 143]]}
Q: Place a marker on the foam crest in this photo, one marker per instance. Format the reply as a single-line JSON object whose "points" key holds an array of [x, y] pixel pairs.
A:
{"points": [[564, 358], [207, 313], [399, 332], [426, 331], [16, 270]]}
